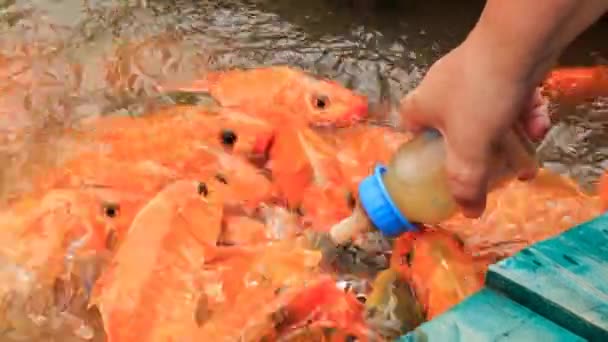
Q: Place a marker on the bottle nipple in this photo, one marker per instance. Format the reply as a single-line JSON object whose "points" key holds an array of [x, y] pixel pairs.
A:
{"points": [[375, 207]]}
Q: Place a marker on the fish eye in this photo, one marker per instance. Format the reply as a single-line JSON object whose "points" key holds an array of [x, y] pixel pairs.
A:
{"points": [[111, 210], [320, 102], [202, 189], [361, 298], [228, 137]]}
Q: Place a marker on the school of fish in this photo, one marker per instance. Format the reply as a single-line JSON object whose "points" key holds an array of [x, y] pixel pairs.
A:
{"points": [[195, 222]]}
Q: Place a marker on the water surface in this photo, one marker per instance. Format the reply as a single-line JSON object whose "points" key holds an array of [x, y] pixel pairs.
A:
{"points": [[381, 48]]}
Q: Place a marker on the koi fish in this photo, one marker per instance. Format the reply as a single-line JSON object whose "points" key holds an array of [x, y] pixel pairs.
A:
{"points": [[347, 156], [520, 213], [299, 157], [300, 96], [307, 175], [441, 273], [246, 290], [360, 147], [150, 291], [284, 313], [576, 84], [206, 148], [392, 307], [154, 135], [53, 249], [243, 230]]}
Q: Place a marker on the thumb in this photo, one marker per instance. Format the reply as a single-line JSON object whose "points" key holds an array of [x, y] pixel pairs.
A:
{"points": [[410, 112], [467, 169]]}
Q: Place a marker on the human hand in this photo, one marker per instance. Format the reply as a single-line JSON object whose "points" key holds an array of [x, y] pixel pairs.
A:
{"points": [[473, 103]]}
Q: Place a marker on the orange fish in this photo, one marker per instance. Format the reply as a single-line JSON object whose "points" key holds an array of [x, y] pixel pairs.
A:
{"points": [[122, 186], [325, 302], [243, 230], [520, 213], [281, 312], [38, 231], [198, 154], [151, 290], [349, 156], [247, 291], [298, 95], [53, 249], [324, 206], [155, 135], [576, 84], [441, 273], [307, 175], [299, 157], [361, 147]]}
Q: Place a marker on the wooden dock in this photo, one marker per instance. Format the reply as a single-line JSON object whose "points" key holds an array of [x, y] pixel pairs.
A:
{"points": [[554, 290]]}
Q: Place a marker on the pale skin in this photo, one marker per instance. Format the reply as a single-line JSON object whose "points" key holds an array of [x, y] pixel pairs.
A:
{"points": [[482, 88]]}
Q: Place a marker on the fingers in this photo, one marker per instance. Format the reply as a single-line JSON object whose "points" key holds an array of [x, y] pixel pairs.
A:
{"points": [[535, 119], [467, 170], [519, 154]]}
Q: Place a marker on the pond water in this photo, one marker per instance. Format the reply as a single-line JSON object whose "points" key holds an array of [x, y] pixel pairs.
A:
{"points": [[381, 48], [70, 59]]}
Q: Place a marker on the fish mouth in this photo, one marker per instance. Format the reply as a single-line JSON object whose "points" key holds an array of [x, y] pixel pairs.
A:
{"points": [[352, 116], [357, 114], [260, 154]]}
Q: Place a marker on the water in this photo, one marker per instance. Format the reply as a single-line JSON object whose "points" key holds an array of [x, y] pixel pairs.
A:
{"points": [[62, 60], [83, 57]]}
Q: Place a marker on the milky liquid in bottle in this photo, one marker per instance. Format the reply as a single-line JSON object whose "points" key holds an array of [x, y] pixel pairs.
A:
{"points": [[415, 182]]}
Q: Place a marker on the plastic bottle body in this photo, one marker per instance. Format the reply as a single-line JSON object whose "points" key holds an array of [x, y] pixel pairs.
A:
{"points": [[416, 180]]}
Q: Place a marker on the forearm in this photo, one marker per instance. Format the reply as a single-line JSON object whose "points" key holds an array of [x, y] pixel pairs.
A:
{"points": [[524, 38]]}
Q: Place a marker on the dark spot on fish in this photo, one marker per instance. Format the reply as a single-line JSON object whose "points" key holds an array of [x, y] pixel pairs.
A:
{"points": [[527, 252], [228, 137], [202, 189], [202, 313], [111, 240], [351, 200], [351, 338], [570, 259], [535, 262], [111, 210], [279, 318], [221, 178], [408, 258], [299, 211], [321, 102]]}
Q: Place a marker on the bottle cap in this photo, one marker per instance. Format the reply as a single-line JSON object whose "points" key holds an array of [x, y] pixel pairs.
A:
{"points": [[379, 207]]}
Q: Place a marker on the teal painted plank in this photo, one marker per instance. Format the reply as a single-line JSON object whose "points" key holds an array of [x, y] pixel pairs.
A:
{"points": [[565, 279], [488, 316]]}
